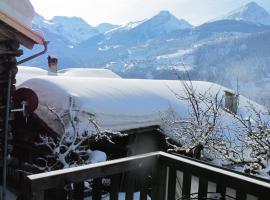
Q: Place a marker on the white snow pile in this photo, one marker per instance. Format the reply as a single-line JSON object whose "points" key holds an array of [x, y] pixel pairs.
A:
{"points": [[88, 72], [26, 72], [21, 10], [96, 156]]}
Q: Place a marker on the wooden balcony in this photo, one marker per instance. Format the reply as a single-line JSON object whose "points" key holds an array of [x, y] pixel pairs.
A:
{"points": [[156, 176]]}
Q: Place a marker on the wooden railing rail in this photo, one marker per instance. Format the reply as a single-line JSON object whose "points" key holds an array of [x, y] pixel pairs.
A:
{"points": [[158, 175]]}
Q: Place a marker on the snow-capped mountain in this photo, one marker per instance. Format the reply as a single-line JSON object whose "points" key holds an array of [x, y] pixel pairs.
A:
{"points": [[222, 50], [135, 33], [251, 12], [163, 22], [105, 27], [166, 22], [73, 29]]}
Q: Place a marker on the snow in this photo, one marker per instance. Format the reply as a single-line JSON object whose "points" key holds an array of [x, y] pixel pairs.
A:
{"points": [[126, 27], [73, 29], [105, 27], [97, 156], [178, 54], [87, 72], [26, 72], [164, 21], [251, 12], [117, 104], [21, 10], [106, 48]]}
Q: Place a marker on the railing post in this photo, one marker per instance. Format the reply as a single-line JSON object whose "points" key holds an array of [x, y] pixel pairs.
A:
{"points": [[131, 186], [144, 184], [221, 189], [78, 191], [186, 184], [203, 186], [97, 189], [172, 183], [114, 187], [159, 180]]}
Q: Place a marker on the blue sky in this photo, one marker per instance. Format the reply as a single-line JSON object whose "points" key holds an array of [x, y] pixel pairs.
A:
{"points": [[124, 11]]}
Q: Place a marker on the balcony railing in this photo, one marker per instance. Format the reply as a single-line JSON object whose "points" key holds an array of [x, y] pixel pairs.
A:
{"points": [[158, 175]]}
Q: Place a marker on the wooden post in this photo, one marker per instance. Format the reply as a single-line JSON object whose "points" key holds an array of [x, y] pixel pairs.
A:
{"points": [[97, 189], [186, 184], [159, 180], [203, 186], [221, 189], [114, 187], [144, 184], [78, 191], [172, 183], [130, 186]]}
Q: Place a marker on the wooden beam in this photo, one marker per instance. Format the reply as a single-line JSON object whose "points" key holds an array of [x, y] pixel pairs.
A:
{"points": [[28, 33], [59, 178]]}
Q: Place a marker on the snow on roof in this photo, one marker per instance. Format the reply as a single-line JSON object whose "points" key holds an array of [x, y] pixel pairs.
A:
{"points": [[117, 104], [18, 15], [25, 73], [88, 72], [21, 10]]}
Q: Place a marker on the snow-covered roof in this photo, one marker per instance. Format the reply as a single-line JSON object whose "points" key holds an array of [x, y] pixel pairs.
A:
{"points": [[87, 72], [21, 10], [117, 104], [19, 15], [26, 72]]}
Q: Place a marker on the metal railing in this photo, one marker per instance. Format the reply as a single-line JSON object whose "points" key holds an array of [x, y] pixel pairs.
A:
{"points": [[158, 175]]}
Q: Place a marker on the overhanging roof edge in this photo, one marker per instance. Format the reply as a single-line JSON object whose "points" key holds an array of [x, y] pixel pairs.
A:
{"points": [[27, 32]]}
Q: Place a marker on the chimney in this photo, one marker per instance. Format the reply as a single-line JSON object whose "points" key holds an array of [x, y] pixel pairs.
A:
{"points": [[52, 63], [231, 102]]}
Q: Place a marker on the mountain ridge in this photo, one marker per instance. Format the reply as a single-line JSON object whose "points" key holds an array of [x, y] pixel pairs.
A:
{"points": [[251, 12], [161, 46]]}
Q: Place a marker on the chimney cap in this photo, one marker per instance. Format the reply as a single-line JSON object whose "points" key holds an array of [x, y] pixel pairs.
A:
{"points": [[52, 57]]}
